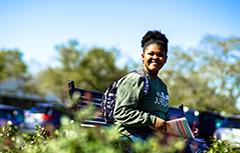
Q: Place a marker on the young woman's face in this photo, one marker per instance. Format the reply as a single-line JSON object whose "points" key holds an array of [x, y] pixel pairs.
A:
{"points": [[154, 57]]}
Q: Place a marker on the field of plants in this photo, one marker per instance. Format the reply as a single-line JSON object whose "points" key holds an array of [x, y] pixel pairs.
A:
{"points": [[71, 138]]}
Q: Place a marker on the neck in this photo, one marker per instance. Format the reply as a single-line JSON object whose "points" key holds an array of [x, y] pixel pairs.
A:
{"points": [[154, 76], [151, 74]]}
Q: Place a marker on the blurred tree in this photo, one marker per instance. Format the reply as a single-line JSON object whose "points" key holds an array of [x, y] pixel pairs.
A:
{"points": [[98, 69], [224, 73], [207, 77], [92, 69], [69, 55], [14, 77], [12, 64], [54, 79]]}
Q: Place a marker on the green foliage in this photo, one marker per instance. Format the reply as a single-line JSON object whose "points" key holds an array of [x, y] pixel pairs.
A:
{"points": [[219, 146], [72, 137], [40, 136], [154, 146], [13, 69], [203, 77], [11, 64], [98, 69], [206, 77], [92, 69], [9, 138], [69, 55]]}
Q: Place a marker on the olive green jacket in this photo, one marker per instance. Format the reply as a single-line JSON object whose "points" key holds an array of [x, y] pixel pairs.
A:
{"points": [[135, 112]]}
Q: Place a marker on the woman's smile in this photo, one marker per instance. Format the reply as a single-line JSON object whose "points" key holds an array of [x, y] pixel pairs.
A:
{"points": [[154, 58]]}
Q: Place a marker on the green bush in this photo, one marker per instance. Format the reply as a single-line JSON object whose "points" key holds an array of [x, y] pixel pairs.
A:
{"points": [[72, 137], [219, 146]]}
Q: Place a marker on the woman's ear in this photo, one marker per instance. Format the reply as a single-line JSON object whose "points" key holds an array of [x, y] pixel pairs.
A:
{"points": [[166, 59], [142, 55]]}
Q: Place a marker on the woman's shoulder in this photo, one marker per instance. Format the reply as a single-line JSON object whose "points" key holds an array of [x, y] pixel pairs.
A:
{"points": [[132, 77]]}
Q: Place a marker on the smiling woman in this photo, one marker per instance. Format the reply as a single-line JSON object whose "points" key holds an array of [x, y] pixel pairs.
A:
{"points": [[136, 114], [154, 54], [154, 58]]}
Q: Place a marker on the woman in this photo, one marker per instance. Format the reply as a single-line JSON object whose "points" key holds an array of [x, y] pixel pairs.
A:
{"points": [[138, 115]]}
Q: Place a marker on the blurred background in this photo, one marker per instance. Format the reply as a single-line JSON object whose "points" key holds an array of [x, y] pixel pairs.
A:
{"points": [[44, 44]]}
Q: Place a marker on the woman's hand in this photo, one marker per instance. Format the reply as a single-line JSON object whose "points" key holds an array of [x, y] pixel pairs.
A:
{"points": [[194, 129], [160, 125]]}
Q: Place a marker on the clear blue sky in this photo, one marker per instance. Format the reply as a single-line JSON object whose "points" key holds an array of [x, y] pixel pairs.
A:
{"points": [[36, 26]]}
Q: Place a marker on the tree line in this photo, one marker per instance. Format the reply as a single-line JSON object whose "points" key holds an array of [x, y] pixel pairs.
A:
{"points": [[205, 77]]}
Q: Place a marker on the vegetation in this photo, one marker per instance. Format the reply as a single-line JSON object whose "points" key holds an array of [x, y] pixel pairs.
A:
{"points": [[12, 64], [71, 138], [13, 71], [93, 69], [207, 77], [223, 146], [204, 78]]}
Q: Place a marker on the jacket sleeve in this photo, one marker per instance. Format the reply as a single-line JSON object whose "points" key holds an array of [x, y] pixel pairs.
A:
{"points": [[126, 110]]}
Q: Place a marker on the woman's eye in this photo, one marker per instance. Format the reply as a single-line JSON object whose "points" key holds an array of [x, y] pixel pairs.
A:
{"points": [[160, 55], [150, 54]]}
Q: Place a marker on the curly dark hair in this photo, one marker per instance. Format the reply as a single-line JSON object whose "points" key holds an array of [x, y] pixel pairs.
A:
{"points": [[155, 35]]}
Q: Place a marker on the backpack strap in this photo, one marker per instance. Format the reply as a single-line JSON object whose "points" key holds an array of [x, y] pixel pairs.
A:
{"points": [[109, 97], [146, 84]]}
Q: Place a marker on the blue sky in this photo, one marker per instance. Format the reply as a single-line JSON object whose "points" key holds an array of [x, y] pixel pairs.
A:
{"points": [[36, 27]]}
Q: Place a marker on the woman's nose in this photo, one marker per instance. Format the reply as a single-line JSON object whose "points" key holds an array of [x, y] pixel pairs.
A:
{"points": [[155, 56]]}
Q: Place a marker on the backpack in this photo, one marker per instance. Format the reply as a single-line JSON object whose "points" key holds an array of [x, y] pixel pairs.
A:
{"points": [[109, 97]]}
